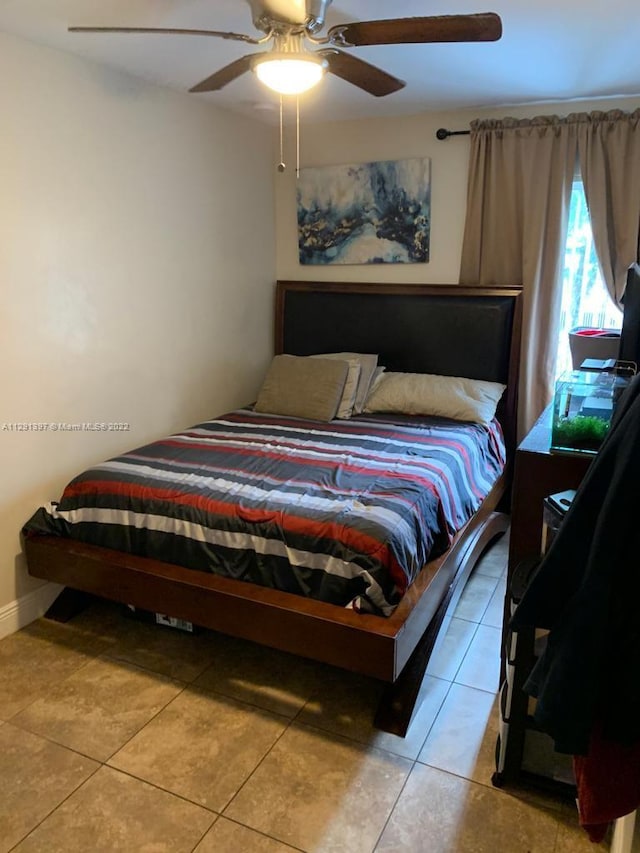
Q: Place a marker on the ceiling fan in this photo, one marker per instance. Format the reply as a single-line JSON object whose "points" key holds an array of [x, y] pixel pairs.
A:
{"points": [[290, 68]]}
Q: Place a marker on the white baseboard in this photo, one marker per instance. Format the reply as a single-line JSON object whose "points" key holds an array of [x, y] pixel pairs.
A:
{"points": [[17, 614]]}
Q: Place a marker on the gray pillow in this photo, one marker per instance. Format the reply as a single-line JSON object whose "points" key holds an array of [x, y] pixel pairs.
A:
{"points": [[303, 387]]}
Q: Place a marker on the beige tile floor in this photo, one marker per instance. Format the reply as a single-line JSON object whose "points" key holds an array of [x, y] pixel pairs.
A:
{"points": [[117, 735]]}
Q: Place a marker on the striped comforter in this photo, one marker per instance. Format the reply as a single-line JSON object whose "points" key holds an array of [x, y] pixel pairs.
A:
{"points": [[345, 512]]}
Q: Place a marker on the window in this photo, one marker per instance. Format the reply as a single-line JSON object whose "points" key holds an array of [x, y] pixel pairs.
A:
{"points": [[585, 299]]}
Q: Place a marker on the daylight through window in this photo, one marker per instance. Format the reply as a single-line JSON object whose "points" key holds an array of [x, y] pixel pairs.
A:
{"points": [[585, 299]]}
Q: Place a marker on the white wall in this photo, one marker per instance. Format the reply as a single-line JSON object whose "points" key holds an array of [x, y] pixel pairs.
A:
{"points": [[394, 139], [136, 271]]}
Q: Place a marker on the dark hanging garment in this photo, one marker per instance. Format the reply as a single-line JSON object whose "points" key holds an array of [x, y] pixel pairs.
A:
{"points": [[587, 592]]}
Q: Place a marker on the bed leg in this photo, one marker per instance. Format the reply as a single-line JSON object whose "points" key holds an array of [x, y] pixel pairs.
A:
{"points": [[68, 604], [398, 701]]}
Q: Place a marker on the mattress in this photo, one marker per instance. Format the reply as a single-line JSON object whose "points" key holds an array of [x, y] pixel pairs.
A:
{"points": [[345, 512]]}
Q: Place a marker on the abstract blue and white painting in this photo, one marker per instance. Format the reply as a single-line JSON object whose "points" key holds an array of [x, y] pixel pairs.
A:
{"points": [[370, 213]]}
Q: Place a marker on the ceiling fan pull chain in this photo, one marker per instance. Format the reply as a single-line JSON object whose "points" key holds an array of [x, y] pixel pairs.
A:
{"points": [[297, 136], [281, 164]]}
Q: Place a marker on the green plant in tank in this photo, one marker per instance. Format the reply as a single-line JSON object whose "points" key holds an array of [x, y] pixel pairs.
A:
{"points": [[583, 432]]}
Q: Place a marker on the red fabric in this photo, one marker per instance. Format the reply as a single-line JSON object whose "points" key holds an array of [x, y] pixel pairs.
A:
{"points": [[608, 782]]}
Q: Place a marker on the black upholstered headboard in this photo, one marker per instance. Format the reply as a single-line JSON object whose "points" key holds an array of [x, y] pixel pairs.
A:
{"points": [[446, 329]]}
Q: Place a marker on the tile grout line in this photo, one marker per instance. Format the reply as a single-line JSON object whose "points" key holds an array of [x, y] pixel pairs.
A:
{"points": [[258, 832], [162, 790], [55, 809], [393, 807], [50, 740], [259, 764], [48, 689], [413, 765], [475, 574], [205, 833], [491, 599], [453, 679], [150, 720], [105, 761]]}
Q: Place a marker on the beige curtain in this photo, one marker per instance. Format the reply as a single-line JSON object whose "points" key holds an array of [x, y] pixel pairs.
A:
{"points": [[609, 156], [515, 232]]}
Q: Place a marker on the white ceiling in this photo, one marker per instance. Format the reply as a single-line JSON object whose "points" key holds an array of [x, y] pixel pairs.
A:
{"points": [[550, 50]]}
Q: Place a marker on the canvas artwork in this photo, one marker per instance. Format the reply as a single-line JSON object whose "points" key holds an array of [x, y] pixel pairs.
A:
{"points": [[370, 213]]}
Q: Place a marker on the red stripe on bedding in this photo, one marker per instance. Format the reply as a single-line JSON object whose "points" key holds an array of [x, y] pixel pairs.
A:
{"points": [[219, 470], [360, 542]]}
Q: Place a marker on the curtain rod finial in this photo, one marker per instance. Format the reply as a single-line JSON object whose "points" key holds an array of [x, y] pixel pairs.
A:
{"points": [[443, 133]]}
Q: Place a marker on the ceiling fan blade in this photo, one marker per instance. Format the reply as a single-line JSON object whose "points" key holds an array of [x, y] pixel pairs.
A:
{"points": [[485, 26], [360, 73], [225, 75], [178, 32]]}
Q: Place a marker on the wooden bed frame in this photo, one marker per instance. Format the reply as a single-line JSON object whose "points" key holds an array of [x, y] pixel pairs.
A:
{"points": [[448, 329]]}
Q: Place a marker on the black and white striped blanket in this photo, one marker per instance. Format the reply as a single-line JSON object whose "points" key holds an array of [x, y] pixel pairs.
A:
{"points": [[345, 512]]}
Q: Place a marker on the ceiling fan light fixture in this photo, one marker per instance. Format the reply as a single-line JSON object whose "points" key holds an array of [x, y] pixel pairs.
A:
{"points": [[290, 75]]}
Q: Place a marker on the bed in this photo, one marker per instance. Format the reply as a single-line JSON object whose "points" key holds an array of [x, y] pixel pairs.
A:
{"points": [[447, 330]]}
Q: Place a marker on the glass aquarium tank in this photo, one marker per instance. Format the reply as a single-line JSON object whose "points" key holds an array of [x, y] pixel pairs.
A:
{"points": [[583, 406]]}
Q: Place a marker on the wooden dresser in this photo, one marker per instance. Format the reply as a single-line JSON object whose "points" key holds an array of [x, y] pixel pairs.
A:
{"points": [[538, 473]]}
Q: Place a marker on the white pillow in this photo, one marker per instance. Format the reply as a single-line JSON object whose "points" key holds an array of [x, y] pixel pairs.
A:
{"points": [[348, 399], [368, 364], [427, 394]]}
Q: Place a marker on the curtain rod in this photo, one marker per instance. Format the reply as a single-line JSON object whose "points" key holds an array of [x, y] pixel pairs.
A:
{"points": [[443, 133]]}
